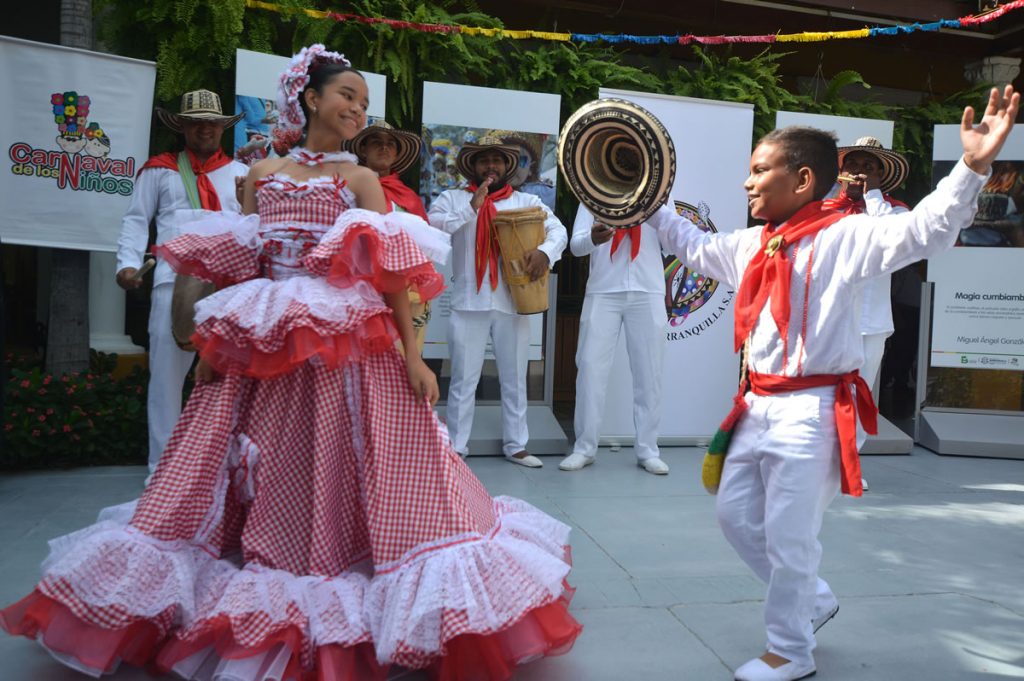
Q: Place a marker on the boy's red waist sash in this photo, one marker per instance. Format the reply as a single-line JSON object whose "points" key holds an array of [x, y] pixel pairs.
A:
{"points": [[847, 409]]}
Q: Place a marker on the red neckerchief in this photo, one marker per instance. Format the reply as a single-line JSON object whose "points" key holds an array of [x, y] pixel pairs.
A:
{"points": [[769, 272], [405, 198], [845, 204], [634, 240], [208, 198], [486, 240]]}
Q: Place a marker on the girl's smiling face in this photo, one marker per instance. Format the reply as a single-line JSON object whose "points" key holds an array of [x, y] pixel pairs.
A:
{"points": [[340, 105]]}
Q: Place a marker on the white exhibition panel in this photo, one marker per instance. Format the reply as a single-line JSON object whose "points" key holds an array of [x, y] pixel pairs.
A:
{"points": [[256, 79], [700, 370], [75, 125], [978, 300], [847, 128]]}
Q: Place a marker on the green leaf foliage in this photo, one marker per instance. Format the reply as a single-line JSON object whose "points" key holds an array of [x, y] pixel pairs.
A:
{"points": [[194, 43]]}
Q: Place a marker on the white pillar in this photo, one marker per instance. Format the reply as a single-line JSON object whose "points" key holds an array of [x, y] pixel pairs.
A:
{"points": [[106, 308]]}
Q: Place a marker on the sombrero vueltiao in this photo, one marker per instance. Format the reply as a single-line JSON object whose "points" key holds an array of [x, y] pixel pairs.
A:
{"points": [[518, 138], [407, 145], [198, 105], [618, 160], [468, 151], [894, 166]]}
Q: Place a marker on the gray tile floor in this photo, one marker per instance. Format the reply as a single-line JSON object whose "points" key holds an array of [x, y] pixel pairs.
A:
{"points": [[929, 567]]}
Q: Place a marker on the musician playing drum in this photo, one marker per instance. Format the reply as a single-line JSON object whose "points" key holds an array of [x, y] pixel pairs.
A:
{"points": [[481, 304]]}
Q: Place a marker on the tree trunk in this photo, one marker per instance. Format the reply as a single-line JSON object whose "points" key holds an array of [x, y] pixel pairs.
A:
{"points": [[67, 330]]}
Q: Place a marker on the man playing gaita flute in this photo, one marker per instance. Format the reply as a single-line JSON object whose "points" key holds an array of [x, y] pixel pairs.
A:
{"points": [[481, 302], [867, 173], [799, 278]]}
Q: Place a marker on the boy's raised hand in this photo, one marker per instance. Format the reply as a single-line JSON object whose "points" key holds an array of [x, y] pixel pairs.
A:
{"points": [[982, 142]]}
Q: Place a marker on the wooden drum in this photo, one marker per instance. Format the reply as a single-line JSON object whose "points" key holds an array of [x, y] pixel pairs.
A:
{"points": [[520, 231]]}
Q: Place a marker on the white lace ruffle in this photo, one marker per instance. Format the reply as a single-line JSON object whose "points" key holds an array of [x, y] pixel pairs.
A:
{"points": [[259, 304], [283, 182], [435, 244], [489, 582], [245, 228]]}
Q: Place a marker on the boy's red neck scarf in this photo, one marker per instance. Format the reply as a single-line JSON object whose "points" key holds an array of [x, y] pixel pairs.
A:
{"points": [[634, 240], [848, 206], [402, 196], [769, 272], [486, 240], [208, 198]]}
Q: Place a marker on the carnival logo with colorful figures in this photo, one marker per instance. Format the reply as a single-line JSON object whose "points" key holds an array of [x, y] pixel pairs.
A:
{"points": [[687, 291], [82, 160]]}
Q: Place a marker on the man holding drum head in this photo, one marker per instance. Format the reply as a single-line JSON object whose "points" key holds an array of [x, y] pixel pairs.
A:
{"points": [[625, 293], [481, 303], [199, 176]]}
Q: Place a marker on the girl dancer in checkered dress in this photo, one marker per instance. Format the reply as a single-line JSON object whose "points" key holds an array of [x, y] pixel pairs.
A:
{"points": [[309, 519]]}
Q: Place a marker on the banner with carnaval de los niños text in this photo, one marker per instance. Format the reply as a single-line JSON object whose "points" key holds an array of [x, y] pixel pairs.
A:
{"points": [[74, 131]]}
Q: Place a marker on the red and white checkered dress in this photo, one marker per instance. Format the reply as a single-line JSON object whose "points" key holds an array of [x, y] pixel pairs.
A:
{"points": [[309, 518]]}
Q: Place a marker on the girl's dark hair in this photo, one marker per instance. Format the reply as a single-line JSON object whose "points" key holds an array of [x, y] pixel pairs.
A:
{"points": [[319, 75], [811, 148]]}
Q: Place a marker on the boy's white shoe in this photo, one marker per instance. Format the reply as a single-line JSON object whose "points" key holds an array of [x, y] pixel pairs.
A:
{"points": [[759, 670], [824, 618]]}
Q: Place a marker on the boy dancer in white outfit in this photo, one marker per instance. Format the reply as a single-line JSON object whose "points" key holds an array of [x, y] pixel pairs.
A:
{"points": [[794, 443], [625, 291]]}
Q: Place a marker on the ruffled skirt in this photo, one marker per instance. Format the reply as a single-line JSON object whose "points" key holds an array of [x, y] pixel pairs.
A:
{"points": [[335, 533]]}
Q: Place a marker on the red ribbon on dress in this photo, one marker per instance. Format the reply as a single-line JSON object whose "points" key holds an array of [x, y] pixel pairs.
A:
{"points": [[208, 198], [845, 204], [486, 240], [402, 196], [769, 272], [634, 241], [847, 410]]}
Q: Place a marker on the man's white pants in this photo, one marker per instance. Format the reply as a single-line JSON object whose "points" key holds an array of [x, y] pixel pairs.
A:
{"points": [[604, 316], [468, 332], [874, 348], [780, 474], [168, 366]]}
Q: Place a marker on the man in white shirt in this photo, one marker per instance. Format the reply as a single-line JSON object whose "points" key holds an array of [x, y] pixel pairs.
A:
{"points": [[875, 171], [793, 443], [481, 304], [625, 291], [160, 191]]}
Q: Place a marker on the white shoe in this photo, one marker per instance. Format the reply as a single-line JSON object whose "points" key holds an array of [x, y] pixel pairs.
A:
{"points": [[823, 619], [759, 670], [527, 459], [575, 462], [864, 484], [654, 465]]}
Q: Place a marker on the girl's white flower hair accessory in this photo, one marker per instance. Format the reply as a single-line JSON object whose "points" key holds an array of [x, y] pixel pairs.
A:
{"points": [[295, 78]]}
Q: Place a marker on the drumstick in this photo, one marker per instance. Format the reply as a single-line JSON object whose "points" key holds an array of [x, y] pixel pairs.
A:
{"points": [[146, 267]]}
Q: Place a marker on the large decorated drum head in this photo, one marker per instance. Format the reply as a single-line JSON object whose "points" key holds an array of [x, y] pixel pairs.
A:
{"points": [[618, 160]]}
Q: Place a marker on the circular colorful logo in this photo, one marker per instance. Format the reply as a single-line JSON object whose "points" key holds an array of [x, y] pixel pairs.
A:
{"points": [[685, 290]]}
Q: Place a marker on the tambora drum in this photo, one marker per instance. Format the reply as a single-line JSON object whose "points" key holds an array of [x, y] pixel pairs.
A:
{"points": [[519, 232]]}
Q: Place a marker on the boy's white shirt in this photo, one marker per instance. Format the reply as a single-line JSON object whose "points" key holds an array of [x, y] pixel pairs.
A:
{"points": [[840, 258]]}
